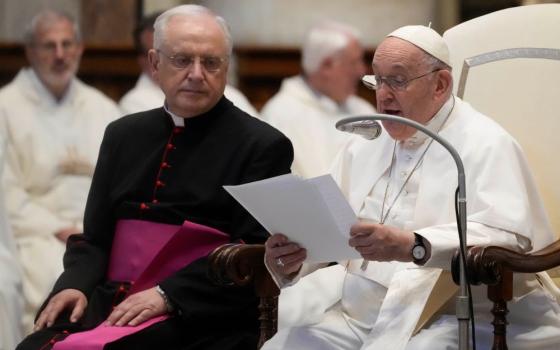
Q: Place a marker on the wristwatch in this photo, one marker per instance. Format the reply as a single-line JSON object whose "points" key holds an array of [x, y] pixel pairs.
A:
{"points": [[420, 249]]}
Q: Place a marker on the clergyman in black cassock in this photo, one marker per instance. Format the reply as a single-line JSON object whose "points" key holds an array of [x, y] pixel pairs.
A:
{"points": [[161, 167]]}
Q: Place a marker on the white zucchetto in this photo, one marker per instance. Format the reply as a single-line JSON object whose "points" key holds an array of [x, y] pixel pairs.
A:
{"points": [[426, 39]]}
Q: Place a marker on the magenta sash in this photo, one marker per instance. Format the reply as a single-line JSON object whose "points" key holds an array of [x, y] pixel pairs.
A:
{"points": [[145, 253]]}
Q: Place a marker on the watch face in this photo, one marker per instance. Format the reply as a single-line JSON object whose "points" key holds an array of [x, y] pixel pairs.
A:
{"points": [[418, 252]]}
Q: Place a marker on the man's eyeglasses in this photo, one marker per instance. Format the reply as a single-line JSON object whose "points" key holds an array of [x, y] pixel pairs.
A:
{"points": [[209, 63], [394, 83]]}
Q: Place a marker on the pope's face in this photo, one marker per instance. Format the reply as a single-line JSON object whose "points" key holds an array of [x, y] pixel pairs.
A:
{"points": [[55, 54], [399, 59], [195, 89]]}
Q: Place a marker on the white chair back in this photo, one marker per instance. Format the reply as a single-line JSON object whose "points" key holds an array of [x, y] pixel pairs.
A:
{"points": [[516, 80]]}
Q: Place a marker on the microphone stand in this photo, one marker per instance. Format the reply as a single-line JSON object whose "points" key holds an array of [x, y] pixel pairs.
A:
{"points": [[462, 301]]}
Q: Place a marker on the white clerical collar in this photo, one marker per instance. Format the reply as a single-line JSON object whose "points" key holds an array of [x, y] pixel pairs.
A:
{"points": [[178, 121], [435, 124]]}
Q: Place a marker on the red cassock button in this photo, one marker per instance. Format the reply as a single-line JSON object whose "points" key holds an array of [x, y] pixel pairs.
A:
{"points": [[159, 183], [177, 130], [143, 206], [170, 146], [155, 201], [165, 165]]}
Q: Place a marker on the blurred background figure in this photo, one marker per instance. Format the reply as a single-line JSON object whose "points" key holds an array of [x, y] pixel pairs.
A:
{"points": [[11, 302], [53, 124], [146, 94], [307, 106], [306, 109]]}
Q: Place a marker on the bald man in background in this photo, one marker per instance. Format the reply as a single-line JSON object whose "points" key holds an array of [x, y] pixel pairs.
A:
{"points": [[308, 106]]}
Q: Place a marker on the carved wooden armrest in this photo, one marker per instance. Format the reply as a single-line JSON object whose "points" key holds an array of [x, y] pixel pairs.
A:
{"points": [[242, 264], [494, 266], [486, 264]]}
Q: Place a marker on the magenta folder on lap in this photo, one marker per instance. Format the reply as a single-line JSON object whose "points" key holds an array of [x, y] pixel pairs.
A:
{"points": [[145, 253]]}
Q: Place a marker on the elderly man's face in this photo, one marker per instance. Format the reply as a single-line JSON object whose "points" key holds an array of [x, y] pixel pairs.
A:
{"points": [[347, 68], [399, 59], [191, 89], [55, 54]]}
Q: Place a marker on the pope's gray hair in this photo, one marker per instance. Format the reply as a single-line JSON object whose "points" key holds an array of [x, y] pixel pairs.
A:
{"points": [[434, 63], [47, 17], [325, 40], [188, 10]]}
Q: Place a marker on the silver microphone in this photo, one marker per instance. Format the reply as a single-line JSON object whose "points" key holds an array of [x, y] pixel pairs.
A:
{"points": [[368, 129]]}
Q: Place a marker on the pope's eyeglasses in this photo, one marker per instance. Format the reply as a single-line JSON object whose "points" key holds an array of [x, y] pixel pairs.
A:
{"points": [[374, 82], [182, 61]]}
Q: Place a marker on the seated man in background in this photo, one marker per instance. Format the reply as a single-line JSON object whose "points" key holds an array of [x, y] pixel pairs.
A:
{"points": [[157, 207], [53, 125], [401, 187], [308, 106], [11, 301], [306, 109], [146, 94]]}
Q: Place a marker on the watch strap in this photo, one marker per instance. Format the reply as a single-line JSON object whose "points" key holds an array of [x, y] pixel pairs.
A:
{"points": [[419, 241]]}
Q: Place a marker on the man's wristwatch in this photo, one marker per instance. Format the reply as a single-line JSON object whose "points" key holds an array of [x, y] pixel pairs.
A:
{"points": [[420, 250]]}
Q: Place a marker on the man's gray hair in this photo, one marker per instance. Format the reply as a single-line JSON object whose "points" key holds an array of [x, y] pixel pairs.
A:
{"points": [[324, 40], [434, 63], [47, 17], [188, 10]]}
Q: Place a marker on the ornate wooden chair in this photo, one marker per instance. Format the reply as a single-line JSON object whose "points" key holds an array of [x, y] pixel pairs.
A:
{"points": [[507, 65], [243, 264]]}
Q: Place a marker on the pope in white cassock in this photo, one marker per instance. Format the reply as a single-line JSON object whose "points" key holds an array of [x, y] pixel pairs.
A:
{"points": [[53, 124], [401, 187]]}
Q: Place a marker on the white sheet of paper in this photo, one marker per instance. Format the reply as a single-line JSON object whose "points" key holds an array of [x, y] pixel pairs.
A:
{"points": [[312, 212]]}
